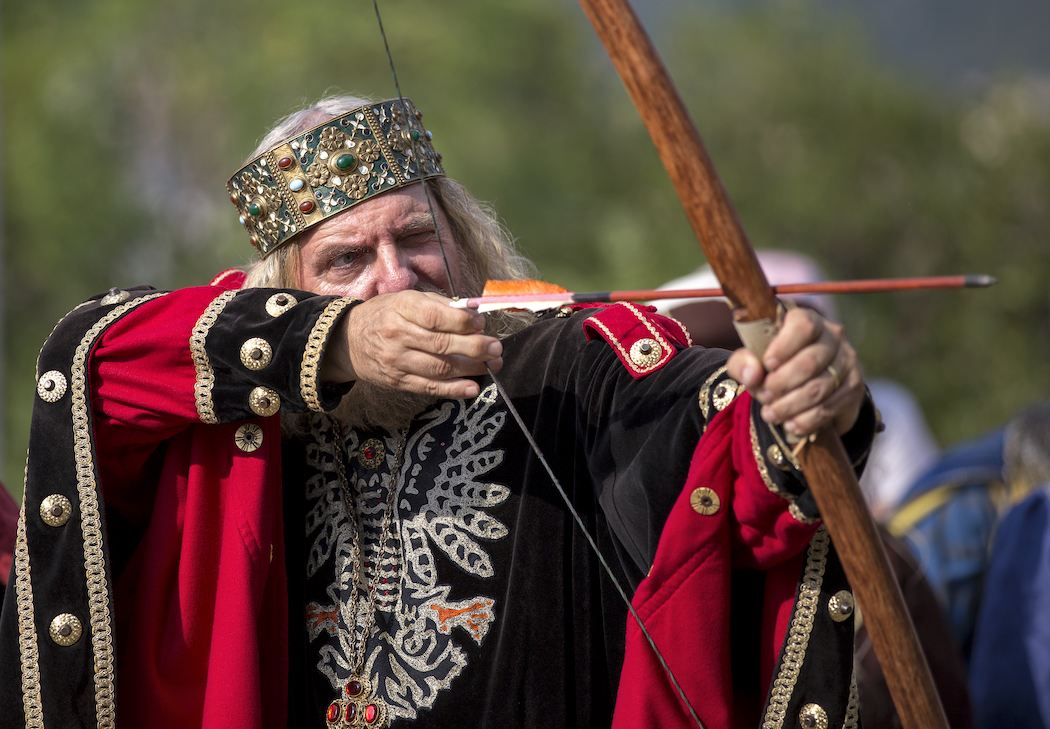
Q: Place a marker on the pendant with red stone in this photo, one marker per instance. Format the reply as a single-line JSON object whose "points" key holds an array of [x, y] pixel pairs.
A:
{"points": [[371, 453], [357, 707]]}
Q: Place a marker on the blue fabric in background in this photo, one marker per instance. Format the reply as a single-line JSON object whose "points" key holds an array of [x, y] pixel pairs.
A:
{"points": [[951, 542], [1010, 664]]}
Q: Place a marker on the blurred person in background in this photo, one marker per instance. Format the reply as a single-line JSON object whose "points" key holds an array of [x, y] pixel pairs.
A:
{"points": [[1010, 661], [8, 522]]}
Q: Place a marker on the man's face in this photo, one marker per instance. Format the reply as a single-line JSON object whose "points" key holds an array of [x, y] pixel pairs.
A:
{"points": [[386, 244]]}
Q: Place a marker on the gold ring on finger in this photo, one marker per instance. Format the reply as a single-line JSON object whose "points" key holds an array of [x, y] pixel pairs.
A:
{"points": [[836, 382]]}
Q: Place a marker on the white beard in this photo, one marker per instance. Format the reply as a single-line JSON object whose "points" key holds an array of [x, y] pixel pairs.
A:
{"points": [[371, 405], [366, 406]]}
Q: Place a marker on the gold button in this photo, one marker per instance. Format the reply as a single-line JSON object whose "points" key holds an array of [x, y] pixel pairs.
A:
{"points": [[264, 401], [51, 386], [646, 352], [55, 510], [256, 353], [115, 296], [248, 437], [724, 393], [704, 501], [65, 629], [280, 303], [841, 605], [813, 717], [776, 456]]}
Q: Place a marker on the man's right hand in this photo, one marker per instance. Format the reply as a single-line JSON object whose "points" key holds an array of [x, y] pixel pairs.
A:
{"points": [[412, 341]]}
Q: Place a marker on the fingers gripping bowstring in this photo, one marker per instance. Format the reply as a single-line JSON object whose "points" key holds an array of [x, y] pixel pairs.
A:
{"points": [[521, 423]]}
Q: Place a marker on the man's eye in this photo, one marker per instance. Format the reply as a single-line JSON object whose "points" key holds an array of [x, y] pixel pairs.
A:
{"points": [[421, 237], [345, 259]]}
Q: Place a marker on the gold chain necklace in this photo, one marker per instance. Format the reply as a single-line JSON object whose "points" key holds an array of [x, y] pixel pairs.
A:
{"points": [[359, 705]]}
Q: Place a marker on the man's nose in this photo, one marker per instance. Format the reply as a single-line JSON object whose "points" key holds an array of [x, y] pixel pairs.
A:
{"points": [[394, 271]]}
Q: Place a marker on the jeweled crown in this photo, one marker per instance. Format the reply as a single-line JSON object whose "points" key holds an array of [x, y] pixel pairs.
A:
{"points": [[332, 167]]}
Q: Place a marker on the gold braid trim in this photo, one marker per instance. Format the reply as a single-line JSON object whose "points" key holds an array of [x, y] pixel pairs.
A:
{"points": [[91, 523], [799, 631], [205, 376], [852, 720], [94, 556], [28, 649], [763, 470], [705, 394], [314, 349], [57, 325]]}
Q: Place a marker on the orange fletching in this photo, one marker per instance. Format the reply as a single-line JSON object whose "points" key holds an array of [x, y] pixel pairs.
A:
{"points": [[521, 286]]}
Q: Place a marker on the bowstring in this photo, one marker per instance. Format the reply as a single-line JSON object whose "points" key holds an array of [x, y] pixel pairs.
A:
{"points": [[517, 416], [415, 156]]}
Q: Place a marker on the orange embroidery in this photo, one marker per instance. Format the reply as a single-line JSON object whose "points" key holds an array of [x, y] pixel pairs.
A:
{"points": [[472, 618], [318, 619]]}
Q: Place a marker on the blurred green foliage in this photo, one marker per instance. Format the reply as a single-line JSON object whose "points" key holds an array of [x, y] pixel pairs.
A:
{"points": [[122, 120]]}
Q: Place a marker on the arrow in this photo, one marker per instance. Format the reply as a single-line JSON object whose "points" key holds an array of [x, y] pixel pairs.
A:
{"points": [[551, 299]]}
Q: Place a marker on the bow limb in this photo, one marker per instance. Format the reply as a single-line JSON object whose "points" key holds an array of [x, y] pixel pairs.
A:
{"points": [[824, 461]]}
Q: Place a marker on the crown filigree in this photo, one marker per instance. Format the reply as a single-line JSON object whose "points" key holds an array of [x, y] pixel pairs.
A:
{"points": [[332, 167]]}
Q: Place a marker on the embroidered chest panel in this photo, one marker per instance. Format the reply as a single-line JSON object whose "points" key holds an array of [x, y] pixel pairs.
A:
{"points": [[416, 544]]}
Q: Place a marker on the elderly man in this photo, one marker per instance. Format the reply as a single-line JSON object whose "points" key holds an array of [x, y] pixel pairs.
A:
{"points": [[300, 499]]}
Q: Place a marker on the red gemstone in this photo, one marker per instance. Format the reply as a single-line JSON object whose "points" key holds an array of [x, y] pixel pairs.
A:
{"points": [[370, 452], [306, 206], [333, 712], [371, 713], [235, 201], [351, 713], [254, 241], [284, 162], [353, 688]]}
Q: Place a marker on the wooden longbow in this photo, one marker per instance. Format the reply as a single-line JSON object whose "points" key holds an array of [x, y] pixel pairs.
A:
{"points": [[824, 461]]}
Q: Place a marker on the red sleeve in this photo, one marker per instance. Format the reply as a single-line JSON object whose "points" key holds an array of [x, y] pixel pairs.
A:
{"points": [[201, 355]]}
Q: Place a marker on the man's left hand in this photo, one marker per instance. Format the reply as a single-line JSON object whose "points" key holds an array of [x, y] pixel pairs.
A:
{"points": [[808, 377]]}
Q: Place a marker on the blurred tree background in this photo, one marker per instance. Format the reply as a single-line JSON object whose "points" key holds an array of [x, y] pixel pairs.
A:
{"points": [[122, 120]]}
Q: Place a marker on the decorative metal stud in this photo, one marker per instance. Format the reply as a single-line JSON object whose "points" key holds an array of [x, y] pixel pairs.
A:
{"points": [[248, 437], [66, 629], [705, 501], [371, 453], [776, 456], [264, 402], [646, 352], [279, 303], [55, 510], [256, 353], [564, 312], [841, 605], [115, 296], [725, 392], [51, 386], [812, 716]]}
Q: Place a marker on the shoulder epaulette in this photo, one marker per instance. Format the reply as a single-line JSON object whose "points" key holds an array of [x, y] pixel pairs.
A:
{"points": [[643, 340]]}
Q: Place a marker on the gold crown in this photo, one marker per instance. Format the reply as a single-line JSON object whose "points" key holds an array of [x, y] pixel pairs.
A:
{"points": [[332, 167]]}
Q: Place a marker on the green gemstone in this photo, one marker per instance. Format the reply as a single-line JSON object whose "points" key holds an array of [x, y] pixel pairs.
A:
{"points": [[255, 210], [415, 135], [345, 161]]}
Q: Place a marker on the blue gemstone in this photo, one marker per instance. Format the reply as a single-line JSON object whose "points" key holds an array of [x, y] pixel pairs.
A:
{"points": [[296, 185]]}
